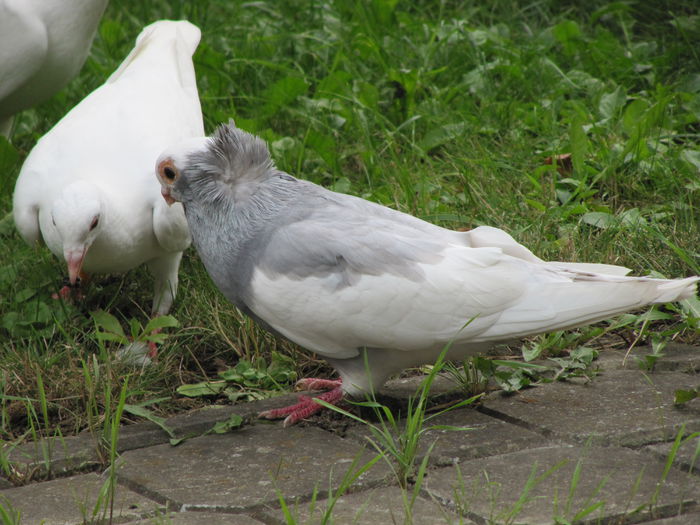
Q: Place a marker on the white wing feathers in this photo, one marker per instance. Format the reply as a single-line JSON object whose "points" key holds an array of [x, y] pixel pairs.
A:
{"points": [[472, 295]]}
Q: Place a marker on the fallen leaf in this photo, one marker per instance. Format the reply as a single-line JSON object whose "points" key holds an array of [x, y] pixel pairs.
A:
{"points": [[563, 162]]}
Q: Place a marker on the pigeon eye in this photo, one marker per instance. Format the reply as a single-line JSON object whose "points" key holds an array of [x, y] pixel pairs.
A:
{"points": [[169, 173], [94, 222]]}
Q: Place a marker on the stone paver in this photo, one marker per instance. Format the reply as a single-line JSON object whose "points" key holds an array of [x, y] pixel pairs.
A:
{"points": [[683, 519], [618, 479], [382, 505], [477, 474], [676, 358], [687, 455], [624, 407], [66, 501], [198, 518], [54, 456], [244, 468], [484, 436]]}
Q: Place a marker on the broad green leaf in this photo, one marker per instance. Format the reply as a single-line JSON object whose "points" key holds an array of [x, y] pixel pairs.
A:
{"points": [[160, 322], [24, 295], [107, 322], [691, 156], [611, 103], [683, 396], [221, 427], [440, 135], [632, 116], [336, 83], [532, 353], [205, 388], [568, 33], [599, 219], [282, 92]]}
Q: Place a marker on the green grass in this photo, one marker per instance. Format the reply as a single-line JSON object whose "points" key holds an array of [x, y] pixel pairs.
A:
{"points": [[446, 110]]}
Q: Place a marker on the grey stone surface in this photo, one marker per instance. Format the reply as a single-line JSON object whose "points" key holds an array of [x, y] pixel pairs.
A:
{"points": [[624, 407], [197, 518], [405, 387], [382, 505], [622, 479], [687, 456], [676, 357], [682, 519], [483, 436], [241, 469], [54, 456], [65, 455], [67, 501]]}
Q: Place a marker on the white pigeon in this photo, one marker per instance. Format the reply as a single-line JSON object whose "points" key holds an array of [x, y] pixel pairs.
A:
{"points": [[371, 289], [43, 45], [87, 188]]}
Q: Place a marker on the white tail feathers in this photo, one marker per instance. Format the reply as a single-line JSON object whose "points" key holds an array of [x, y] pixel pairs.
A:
{"points": [[582, 298], [677, 290], [184, 37]]}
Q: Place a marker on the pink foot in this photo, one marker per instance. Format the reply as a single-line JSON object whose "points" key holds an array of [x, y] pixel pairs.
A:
{"points": [[152, 350], [314, 383], [68, 293], [306, 405], [64, 293], [152, 346]]}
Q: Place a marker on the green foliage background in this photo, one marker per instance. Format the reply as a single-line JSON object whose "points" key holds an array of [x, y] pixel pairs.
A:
{"points": [[447, 110]]}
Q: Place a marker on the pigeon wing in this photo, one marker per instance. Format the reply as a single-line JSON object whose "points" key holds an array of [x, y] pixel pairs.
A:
{"points": [[338, 282]]}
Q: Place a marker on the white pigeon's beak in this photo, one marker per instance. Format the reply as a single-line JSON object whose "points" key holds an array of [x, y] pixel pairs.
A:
{"points": [[74, 260], [165, 192]]}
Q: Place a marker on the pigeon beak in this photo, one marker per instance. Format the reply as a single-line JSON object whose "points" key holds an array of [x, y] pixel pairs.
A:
{"points": [[165, 192], [74, 260]]}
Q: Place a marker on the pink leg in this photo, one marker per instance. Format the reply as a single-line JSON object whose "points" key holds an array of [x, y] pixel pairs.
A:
{"points": [[153, 347], [305, 407], [314, 383], [63, 294]]}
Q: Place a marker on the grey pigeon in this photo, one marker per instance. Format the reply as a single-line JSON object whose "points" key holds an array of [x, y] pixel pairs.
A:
{"points": [[345, 277]]}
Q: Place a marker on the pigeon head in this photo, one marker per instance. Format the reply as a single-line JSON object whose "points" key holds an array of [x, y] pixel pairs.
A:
{"points": [[77, 216], [229, 163]]}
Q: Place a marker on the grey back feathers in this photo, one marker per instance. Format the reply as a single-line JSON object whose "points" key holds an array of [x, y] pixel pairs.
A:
{"points": [[245, 214]]}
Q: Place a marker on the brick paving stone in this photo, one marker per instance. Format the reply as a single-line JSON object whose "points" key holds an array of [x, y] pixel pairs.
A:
{"points": [[54, 456], [489, 488], [66, 501], [683, 519], [676, 357], [687, 455], [198, 518], [624, 407], [243, 468], [378, 506], [485, 436]]}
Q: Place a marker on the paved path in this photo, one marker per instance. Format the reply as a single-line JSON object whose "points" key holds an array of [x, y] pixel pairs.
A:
{"points": [[594, 453]]}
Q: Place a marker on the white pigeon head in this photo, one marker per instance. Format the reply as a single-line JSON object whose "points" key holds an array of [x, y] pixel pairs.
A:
{"points": [[77, 215]]}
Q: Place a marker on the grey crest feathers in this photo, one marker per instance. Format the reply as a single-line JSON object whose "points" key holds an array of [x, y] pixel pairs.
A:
{"points": [[234, 156]]}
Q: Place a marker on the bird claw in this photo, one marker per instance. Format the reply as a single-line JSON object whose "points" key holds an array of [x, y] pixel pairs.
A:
{"points": [[306, 406], [314, 383]]}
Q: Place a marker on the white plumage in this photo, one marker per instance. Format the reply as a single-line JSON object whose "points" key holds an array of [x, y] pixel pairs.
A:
{"points": [[87, 188], [43, 45], [371, 289]]}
